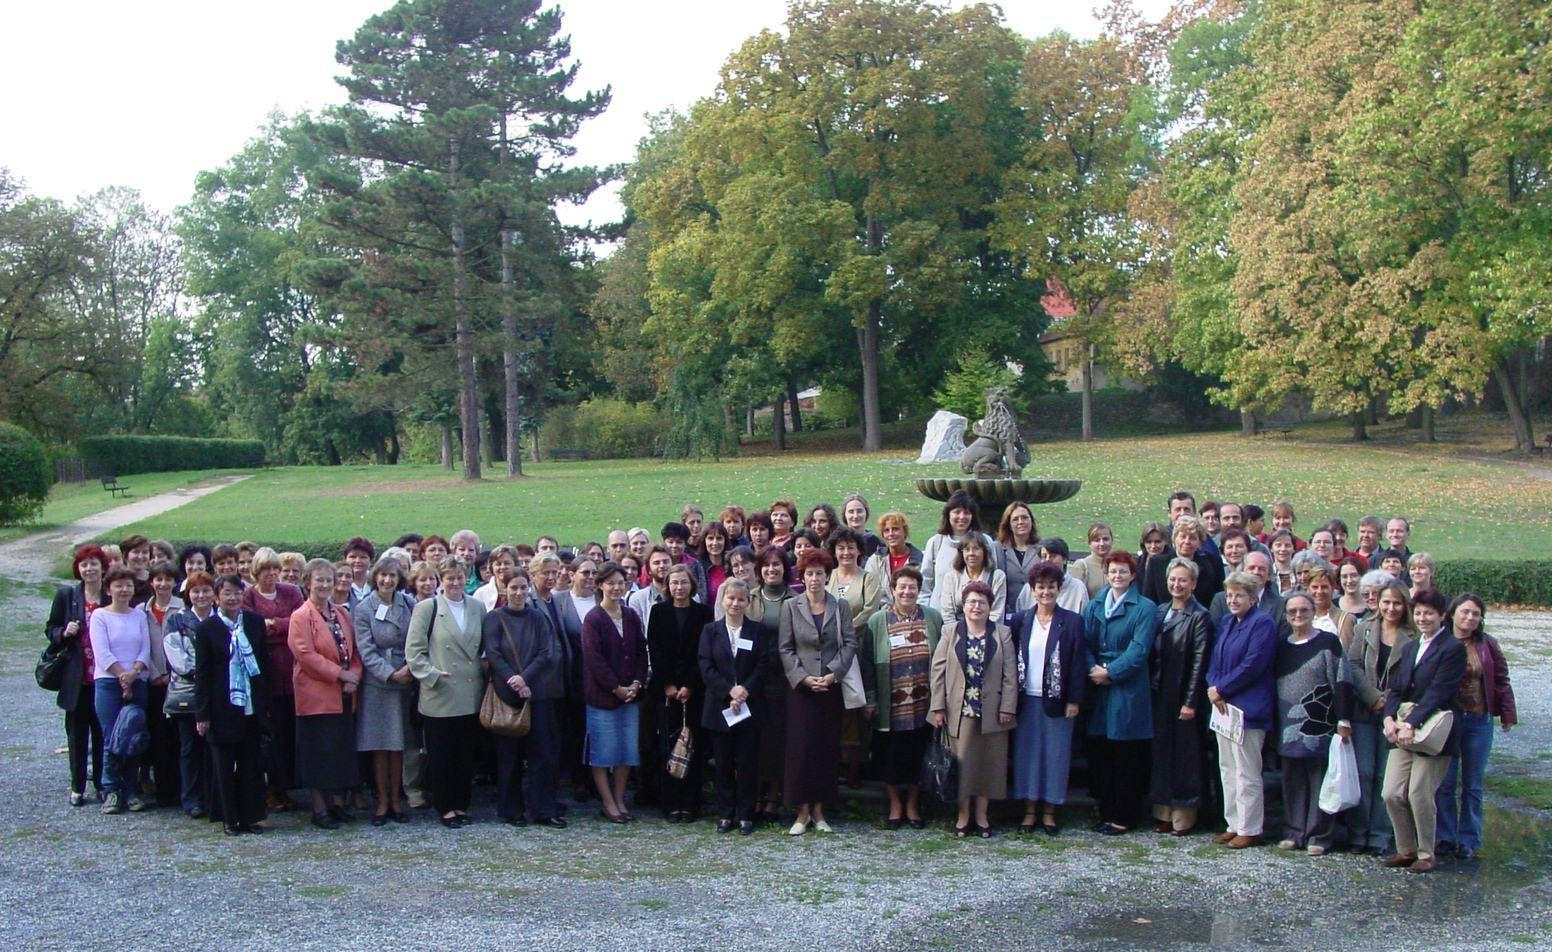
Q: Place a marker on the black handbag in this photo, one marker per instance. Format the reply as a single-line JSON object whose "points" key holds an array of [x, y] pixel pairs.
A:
{"points": [[50, 671], [940, 769]]}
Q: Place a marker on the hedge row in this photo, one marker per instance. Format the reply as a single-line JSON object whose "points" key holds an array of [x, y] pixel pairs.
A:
{"points": [[1498, 581], [24, 475], [123, 455]]}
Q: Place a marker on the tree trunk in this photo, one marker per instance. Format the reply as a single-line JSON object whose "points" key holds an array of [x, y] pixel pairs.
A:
{"points": [[509, 369], [447, 447], [535, 457], [463, 339], [1360, 426], [1247, 422], [1088, 395], [1427, 421], [1519, 419], [867, 344], [797, 413], [330, 451], [749, 421], [779, 425], [394, 449]]}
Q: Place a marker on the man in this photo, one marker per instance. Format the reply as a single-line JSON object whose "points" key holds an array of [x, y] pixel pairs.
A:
{"points": [[1209, 516], [1398, 532], [1255, 521], [1260, 566], [1370, 529], [676, 539], [465, 544], [1232, 516], [359, 553], [571, 607], [658, 564], [547, 544]]}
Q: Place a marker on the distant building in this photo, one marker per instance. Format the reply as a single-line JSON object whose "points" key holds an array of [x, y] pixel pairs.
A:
{"points": [[1066, 354]]}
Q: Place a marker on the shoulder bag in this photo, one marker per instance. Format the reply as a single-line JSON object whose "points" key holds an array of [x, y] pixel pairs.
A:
{"points": [[684, 747], [50, 670], [1430, 738], [496, 715]]}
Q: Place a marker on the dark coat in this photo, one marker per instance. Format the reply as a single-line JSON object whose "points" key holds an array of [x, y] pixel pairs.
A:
{"points": [[212, 685], [610, 661], [1209, 577], [720, 670], [69, 605], [522, 643], [1243, 652], [676, 650], [571, 642], [1432, 686], [1179, 661], [1066, 675]]}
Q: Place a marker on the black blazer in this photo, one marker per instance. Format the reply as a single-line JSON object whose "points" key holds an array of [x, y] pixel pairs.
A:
{"points": [[1209, 577], [674, 649], [1065, 675], [212, 686], [571, 643], [69, 605], [1181, 648], [1432, 685], [720, 670]]}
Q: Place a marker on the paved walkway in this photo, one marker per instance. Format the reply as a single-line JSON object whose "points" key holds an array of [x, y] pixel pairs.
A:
{"points": [[31, 557]]}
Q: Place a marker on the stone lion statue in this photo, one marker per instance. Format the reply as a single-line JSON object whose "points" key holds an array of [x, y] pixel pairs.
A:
{"points": [[997, 449]]}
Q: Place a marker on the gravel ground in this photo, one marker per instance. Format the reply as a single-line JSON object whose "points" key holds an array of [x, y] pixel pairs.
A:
{"points": [[66, 875]]}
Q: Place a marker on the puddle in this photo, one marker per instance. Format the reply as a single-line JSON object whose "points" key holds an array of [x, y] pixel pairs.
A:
{"points": [[1176, 927]]}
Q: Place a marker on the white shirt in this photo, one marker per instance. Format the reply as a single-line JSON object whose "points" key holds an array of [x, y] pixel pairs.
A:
{"points": [[733, 635], [456, 609], [486, 595], [1034, 666], [581, 606], [1423, 644]]}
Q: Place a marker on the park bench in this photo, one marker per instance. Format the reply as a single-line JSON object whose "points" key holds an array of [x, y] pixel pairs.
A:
{"points": [[568, 452], [111, 483]]}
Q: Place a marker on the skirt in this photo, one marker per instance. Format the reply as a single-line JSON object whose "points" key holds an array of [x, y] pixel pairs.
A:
{"points": [[613, 737], [384, 721], [773, 732], [813, 746], [326, 751], [1042, 753], [900, 755], [983, 760]]}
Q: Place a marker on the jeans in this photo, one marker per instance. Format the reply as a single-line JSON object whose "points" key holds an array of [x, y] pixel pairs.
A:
{"points": [[1461, 823], [120, 774], [1367, 823]]}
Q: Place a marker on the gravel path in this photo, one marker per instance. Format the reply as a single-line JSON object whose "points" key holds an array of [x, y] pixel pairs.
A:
{"points": [[65, 874]]}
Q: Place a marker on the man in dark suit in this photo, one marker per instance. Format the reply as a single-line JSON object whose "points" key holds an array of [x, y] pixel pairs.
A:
{"points": [[732, 658], [570, 607], [1271, 602]]}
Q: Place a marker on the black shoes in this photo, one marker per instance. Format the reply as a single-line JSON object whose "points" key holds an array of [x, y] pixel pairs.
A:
{"points": [[725, 826], [553, 822], [325, 821]]}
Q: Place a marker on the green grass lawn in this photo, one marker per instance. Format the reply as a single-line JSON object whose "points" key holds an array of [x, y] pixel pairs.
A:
{"points": [[68, 502], [1459, 509]]}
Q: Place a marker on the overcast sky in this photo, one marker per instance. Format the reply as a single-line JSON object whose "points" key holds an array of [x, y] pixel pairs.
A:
{"points": [[146, 94]]}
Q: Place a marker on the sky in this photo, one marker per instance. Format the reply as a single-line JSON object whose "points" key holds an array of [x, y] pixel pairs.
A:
{"points": [[147, 94]]}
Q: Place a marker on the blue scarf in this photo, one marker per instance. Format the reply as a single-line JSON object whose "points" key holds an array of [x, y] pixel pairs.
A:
{"points": [[240, 665]]}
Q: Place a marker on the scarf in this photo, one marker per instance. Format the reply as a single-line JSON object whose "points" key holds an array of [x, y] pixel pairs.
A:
{"points": [[240, 664]]}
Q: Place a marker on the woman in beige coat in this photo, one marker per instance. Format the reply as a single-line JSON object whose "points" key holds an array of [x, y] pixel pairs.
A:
{"points": [[975, 694]]}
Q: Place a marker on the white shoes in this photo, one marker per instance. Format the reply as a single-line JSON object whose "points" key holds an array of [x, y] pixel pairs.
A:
{"points": [[823, 827], [798, 829]]}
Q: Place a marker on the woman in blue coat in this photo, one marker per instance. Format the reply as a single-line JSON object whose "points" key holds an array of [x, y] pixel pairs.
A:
{"points": [[1119, 626]]}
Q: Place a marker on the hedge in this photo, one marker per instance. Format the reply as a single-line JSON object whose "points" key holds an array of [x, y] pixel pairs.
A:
{"points": [[123, 455], [606, 428], [1498, 581], [24, 475]]}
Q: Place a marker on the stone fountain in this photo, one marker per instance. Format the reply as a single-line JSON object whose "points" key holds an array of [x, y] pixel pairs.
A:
{"points": [[995, 460]]}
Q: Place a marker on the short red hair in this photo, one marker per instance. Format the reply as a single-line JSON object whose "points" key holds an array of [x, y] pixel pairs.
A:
{"points": [[1124, 557], [816, 558], [85, 554]]}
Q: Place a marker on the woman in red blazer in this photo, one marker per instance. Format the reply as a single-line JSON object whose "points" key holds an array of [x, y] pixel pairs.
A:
{"points": [[325, 674]]}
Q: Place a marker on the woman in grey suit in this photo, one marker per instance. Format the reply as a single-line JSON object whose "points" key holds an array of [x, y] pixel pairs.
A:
{"points": [[383, 724], [443, 650], [816, 645]]}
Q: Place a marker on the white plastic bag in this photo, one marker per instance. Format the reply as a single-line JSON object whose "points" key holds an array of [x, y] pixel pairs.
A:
{"points": [[1340, 790]]}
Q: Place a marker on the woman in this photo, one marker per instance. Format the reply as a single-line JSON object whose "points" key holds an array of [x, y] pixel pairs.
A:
{"points": [[817, 645], [68, 630], [896, 658], [1074, 595], [961, 518], [1234, 546], [1283, 551], [381, 620], [784, 521], [159, 769], [894, 552], [1376, 653], [1049, 642], [1420, 567], [973, 563], [1239, 674], [523, 649], [1321, 586], [758, 529], [632, 567], [1314, 701], [1485, 693], [614, 674], [673, 637], [823, 521], [1179, 671], [1429, 679], [1118, 635], [179, 645], [1322, 542], [732, 657], [732, 519], [442, 648], [326, 677], [1349, 578], [771, 569], [1152, 546], [502, 562], [1369, 585], [291, 566], [860, 593], [1090, 570], [191, 558], [1018, 542], [423, 581], [803, 542], [714, 549], [854, 516], [274, 601], [975, 696], [121, 662], [230, 671]]}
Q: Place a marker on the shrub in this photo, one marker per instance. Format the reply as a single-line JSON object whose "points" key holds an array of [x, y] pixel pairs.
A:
{"points": [[963, 390], [123, 455], [1498, 581], [605, 427], [24, 475]]}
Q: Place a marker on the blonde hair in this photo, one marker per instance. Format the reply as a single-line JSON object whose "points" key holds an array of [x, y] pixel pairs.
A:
{"points": [[264, 558]]}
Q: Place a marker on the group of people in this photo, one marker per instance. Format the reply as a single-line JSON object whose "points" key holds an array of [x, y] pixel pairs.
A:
{"points": [[787, 652]]}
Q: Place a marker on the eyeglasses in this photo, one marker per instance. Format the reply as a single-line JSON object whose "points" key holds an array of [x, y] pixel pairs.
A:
{"points": [[1302, 610]]}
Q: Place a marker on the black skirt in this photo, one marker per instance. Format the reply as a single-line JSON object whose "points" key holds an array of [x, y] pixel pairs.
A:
{"points": [[900, 755], [813, 752], [326, 751]]}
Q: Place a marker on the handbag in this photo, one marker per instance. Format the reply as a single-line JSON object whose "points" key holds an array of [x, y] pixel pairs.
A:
{"points": [[1340, 790], [940, 769], [852, 693], [684, 748], [496, 715], [50, 672], [1430, 738]]}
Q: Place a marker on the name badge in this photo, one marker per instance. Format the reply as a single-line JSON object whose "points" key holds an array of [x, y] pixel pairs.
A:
{"points": [[382, 613], [744, 644], [898, 641]]}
